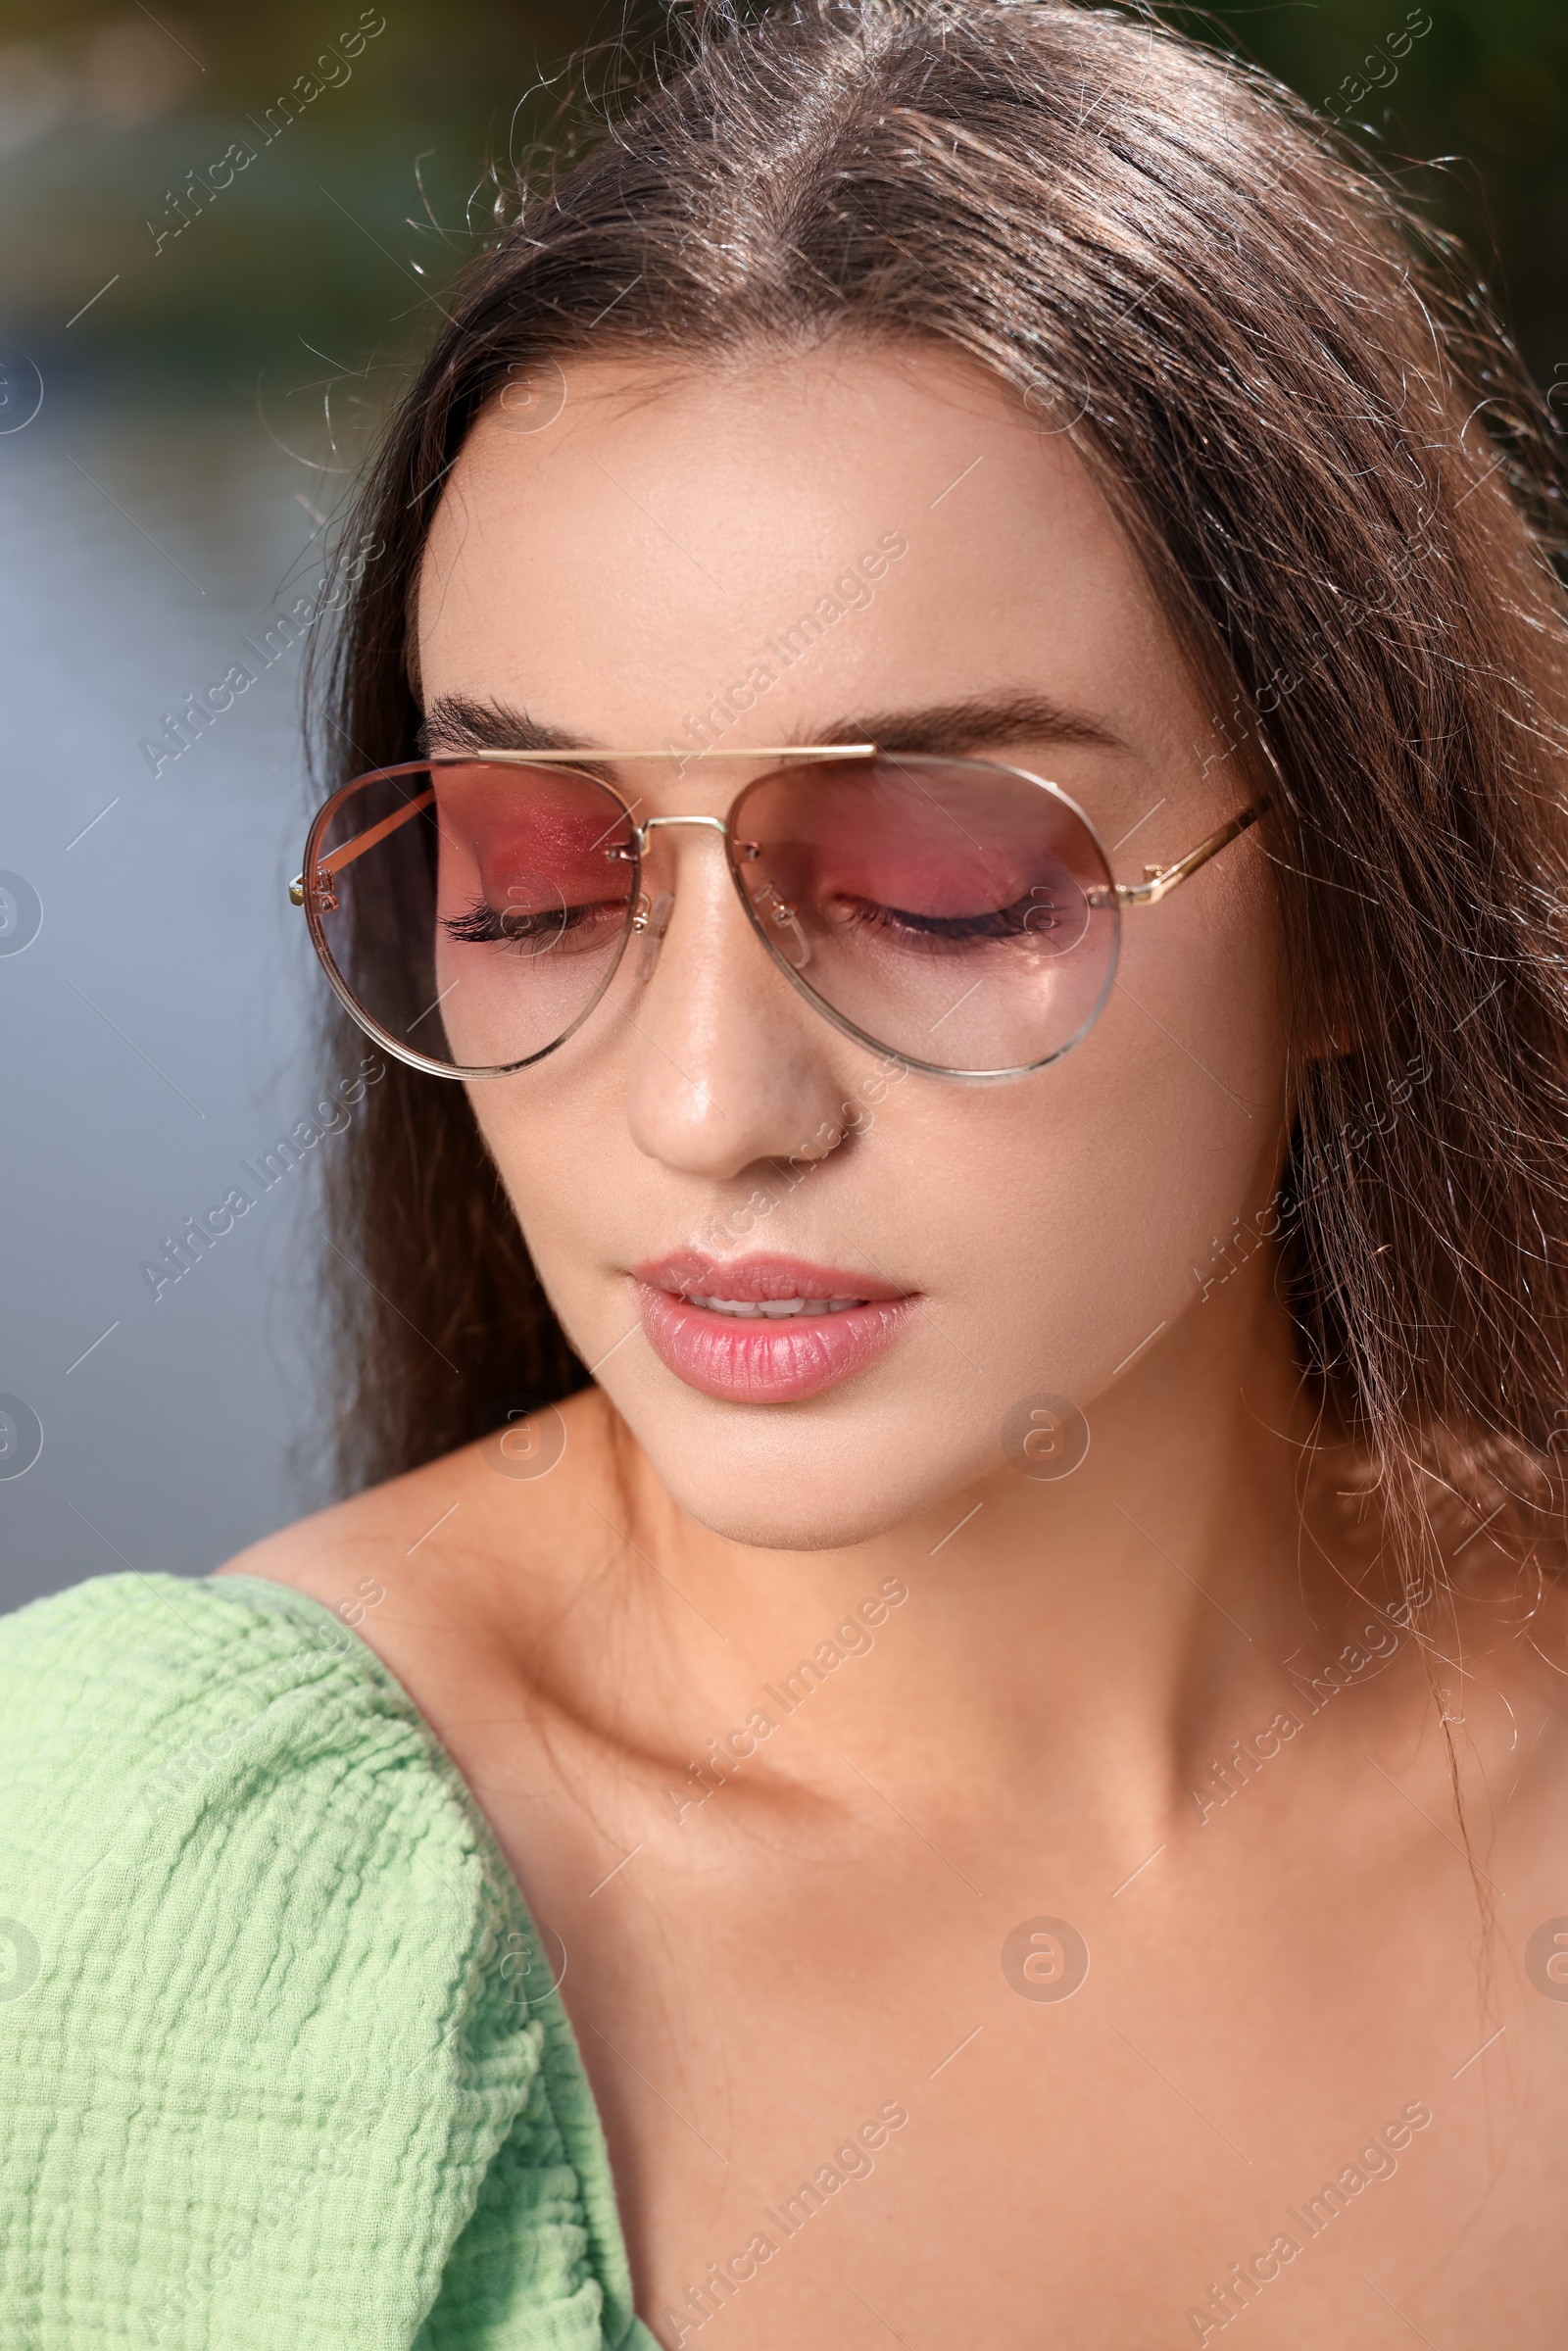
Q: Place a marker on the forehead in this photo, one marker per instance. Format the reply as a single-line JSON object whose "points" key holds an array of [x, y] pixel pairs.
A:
{"points": [[624, 542]]}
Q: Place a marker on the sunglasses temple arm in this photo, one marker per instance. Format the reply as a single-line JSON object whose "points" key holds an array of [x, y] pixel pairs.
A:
{"points": [[1162, 881], [360, 844]]}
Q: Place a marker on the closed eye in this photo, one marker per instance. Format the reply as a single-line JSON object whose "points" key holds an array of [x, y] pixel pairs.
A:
{"points": [[533, 931], [1026, 918]]}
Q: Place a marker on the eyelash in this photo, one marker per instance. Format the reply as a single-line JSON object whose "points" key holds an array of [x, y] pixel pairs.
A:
{"points": [[483, 926], [940, 930]]}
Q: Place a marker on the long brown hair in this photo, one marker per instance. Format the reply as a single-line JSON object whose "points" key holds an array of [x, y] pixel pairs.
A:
{"points": [[1341, 484]]}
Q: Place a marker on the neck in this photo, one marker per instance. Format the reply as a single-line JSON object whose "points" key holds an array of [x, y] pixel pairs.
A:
{"points": [[1112, 1628]]}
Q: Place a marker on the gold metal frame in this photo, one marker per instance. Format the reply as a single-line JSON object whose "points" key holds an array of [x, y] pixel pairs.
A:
{"points": [[1159, 880]]}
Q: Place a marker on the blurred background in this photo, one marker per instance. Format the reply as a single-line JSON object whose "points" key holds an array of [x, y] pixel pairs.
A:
{"points": [[172, 323]]}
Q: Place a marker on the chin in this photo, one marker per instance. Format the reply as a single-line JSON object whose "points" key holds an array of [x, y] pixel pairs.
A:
{"points": [[793, 1479], [772, 1524]]}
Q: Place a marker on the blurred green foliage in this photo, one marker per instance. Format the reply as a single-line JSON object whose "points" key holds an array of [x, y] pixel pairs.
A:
{"points": [[108, 110], [1480, 100]]}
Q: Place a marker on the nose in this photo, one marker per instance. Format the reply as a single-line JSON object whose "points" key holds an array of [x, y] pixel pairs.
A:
{"points": [[730, 1066]]}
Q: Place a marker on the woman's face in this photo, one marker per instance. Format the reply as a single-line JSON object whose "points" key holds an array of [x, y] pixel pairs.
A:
{"points": [[650, 545]]}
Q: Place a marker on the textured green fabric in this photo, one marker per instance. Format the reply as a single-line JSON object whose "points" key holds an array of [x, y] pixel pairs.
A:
{"points": [[281, 2066]]}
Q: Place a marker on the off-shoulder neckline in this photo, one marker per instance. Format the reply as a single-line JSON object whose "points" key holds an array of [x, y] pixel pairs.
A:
{"points": [[287, 1599]]}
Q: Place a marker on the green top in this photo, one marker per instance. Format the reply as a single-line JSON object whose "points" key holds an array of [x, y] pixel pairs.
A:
{"points": [[281, 2063]]}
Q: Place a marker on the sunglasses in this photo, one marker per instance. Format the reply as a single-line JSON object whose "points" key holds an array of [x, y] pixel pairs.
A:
{"points": [[471, 911]]}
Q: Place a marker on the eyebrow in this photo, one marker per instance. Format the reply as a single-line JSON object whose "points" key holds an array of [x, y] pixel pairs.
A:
{"points": [[978, 722], [456, 723]]}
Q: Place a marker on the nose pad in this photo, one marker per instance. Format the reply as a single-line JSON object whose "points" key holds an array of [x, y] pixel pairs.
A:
{"points": [[783, 926], [654, 926]]}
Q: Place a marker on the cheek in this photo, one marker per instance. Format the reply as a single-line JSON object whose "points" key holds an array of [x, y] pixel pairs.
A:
{"points": [[1080, 1202], [543, 1134], [528, 1132], [583, 1195]]}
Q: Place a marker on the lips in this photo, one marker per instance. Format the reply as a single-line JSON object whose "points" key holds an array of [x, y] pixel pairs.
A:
{"points": [[766, 1330]]}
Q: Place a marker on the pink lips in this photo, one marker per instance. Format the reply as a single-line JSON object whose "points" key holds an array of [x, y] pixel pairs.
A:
{"points": [[827, 1324]]}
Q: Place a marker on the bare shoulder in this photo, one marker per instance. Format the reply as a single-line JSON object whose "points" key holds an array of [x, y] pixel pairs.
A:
{"points": [[324, 1554], [464, 1557]]}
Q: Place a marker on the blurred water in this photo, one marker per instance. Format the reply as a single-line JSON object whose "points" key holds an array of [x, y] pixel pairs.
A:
{"points": [[153, 1028]]}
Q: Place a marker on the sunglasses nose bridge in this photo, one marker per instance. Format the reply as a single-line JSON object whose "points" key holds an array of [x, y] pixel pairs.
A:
{"points": [[714, 824], [651, 916]]}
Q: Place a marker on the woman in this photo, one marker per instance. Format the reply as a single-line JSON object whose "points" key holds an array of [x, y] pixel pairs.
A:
{"points": [[953, 1298]]}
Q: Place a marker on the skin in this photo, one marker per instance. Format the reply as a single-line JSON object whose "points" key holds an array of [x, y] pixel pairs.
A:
{"points": [[753, 1975]]}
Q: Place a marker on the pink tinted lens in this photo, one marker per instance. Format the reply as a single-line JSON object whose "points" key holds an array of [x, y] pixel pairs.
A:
{"points": [[480, 908], [957, 912]]}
